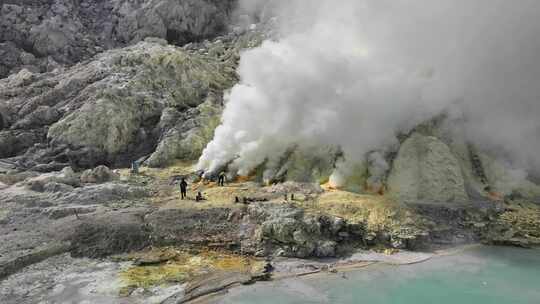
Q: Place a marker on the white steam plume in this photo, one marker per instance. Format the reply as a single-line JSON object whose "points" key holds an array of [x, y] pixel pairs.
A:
{"points": [[353, 73]]}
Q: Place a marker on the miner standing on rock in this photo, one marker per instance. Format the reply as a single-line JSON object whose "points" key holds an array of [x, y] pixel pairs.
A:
{"points": [[221, 179], [183, 188]]}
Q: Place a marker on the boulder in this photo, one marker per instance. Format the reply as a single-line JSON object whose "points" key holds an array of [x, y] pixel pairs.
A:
{"points": [[287, 231], [426, 170], [100, 174], [67, 176]]}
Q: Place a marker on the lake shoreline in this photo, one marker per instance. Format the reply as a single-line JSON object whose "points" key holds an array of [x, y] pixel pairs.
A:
{"points": [[473, 273], [291, 269]]}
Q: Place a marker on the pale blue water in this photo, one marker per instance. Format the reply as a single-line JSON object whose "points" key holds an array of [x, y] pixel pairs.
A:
{"points": [[484, 275]]}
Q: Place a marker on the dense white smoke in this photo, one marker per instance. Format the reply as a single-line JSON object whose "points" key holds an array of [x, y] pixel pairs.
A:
{"points": [[353, 73]]}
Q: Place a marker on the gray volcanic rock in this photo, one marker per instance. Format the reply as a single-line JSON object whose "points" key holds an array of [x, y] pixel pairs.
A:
{"points": [[67, 177], [43, 35], [31, 221], [120, 106], [198, 227], [185, 135], [14, 142], [99, 174], [110, 233], [101, 194], [287, 231], [426, 170]]}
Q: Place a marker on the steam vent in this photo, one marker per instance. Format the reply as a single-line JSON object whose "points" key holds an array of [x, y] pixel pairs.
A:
{"points": [[266, 151]]}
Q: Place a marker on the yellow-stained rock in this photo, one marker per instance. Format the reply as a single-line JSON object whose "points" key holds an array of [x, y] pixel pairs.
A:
{"points": [[173, 265]]}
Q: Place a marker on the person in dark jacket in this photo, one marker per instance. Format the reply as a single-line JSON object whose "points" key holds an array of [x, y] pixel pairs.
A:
{"points": [[221, 179], [183, 188]]}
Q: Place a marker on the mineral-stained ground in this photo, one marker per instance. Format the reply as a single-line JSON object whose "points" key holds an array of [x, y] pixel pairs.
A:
{"points": [[87, 89], [129, 237]]}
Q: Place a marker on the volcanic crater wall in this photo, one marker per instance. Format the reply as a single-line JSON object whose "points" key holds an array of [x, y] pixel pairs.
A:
{"points": [[43, 35]]}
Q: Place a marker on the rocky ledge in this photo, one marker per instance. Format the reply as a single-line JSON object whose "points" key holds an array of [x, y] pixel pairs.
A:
{"points": [[130, 220]]}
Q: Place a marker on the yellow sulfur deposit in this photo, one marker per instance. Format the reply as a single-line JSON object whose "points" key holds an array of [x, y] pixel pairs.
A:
{"points": [[181, 266]]}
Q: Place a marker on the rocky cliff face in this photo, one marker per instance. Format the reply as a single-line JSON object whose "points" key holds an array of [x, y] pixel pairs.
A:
{"points": [[43, 35], [119, 106], [91, 83], [158, 102]]}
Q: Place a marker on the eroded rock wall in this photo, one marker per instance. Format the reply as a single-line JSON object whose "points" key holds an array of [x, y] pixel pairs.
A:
{"points": [[120, 106], [43, 35]]}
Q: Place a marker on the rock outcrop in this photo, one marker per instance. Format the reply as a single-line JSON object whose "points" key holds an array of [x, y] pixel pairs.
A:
{"points": [[426, 170], [120, 106], [43, 211], [45, 181], [114, 232], [100, 174], [288, 231], [185, 134], [44, 35]]}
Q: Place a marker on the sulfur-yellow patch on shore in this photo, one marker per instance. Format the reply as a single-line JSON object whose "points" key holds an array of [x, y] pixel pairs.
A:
{"points": [[524, 218], [376, 211], [182, 266]]}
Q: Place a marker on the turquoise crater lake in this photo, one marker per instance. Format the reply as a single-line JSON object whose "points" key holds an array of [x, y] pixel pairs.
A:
{"points": [[480, 275]]}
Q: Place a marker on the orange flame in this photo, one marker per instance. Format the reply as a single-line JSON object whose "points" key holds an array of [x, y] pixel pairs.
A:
{"points": [[495, 196]]}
